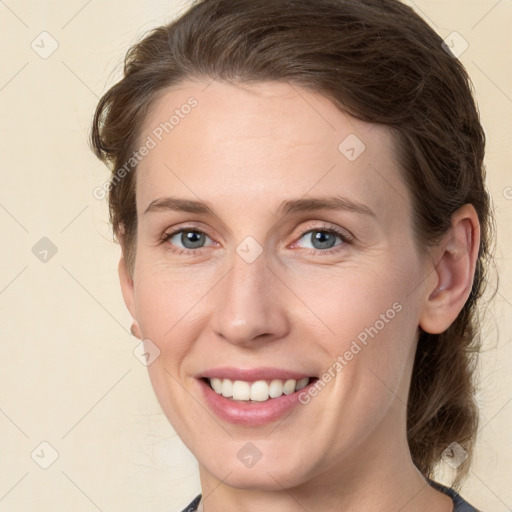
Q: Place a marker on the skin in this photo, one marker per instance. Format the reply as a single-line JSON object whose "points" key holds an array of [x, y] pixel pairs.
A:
{"points": [[243, 150]]}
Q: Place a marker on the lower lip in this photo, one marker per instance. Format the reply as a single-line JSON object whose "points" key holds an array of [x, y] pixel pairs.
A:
{"points": [[251, 413]]}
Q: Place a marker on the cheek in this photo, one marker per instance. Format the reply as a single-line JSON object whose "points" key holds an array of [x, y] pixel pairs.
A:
{"points": [[164, 297], [368, 321], [358, 302], [166, 302]]}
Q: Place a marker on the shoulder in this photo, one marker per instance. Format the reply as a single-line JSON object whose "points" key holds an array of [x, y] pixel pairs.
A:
{"points": [[460, 505], [193, 506]]}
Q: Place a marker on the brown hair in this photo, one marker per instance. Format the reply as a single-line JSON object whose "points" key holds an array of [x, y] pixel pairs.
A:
{"points": [[380, 62]]}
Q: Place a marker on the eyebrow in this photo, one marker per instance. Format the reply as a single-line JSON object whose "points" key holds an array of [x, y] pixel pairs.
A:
{"points": [[286, 207]]}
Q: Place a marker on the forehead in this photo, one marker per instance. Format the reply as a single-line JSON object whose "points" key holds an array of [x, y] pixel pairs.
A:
{"points": [[253, 141]]}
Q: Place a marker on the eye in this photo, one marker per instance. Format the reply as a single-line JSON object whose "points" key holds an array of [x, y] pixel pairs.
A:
{"points": [[190, 240], [323, 240]]}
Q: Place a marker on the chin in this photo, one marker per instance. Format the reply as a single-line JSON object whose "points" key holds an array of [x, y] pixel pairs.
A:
{"points": [[271, 472], [262, 479]]}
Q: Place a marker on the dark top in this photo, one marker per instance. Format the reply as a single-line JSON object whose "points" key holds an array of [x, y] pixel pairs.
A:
{"points": [[459, 505]]}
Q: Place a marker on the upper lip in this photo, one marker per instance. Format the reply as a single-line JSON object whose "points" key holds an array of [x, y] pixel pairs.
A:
{"points": [[251, 374]]}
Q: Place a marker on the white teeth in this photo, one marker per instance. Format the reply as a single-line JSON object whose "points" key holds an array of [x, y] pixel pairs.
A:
{"points": [[289, 387], [276, 388], [227, 388], [216, 385], [258, 391], [241, 390]]}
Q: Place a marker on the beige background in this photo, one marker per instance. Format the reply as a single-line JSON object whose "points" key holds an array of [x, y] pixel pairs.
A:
{"points": [[68, 375]]}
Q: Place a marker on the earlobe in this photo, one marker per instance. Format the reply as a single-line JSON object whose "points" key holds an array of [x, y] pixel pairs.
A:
{"points": [[127, 289], [453, 273], [134, 329]]}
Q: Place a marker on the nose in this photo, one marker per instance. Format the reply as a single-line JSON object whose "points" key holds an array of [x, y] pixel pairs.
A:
{"points": [[250, 304]]}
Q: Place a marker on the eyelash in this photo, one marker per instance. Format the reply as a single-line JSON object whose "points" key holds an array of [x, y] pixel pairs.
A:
{"points": [[310, 252]]}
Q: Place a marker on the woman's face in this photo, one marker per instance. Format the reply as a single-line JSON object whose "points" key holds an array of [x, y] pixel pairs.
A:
{"points": [[275, 248]]}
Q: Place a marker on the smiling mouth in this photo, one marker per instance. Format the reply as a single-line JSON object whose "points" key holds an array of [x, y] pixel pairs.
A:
{"points": [[257, 391]]}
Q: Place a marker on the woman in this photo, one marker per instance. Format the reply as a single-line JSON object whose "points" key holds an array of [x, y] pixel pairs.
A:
{"points": [[299, 194]]}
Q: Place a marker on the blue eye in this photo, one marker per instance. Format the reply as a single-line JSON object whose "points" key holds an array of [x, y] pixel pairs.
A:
{"points": [[190, 239], [323, 240]]}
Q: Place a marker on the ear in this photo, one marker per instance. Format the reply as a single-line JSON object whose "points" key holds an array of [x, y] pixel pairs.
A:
{"points": [[127, 289], [453, 274]]}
